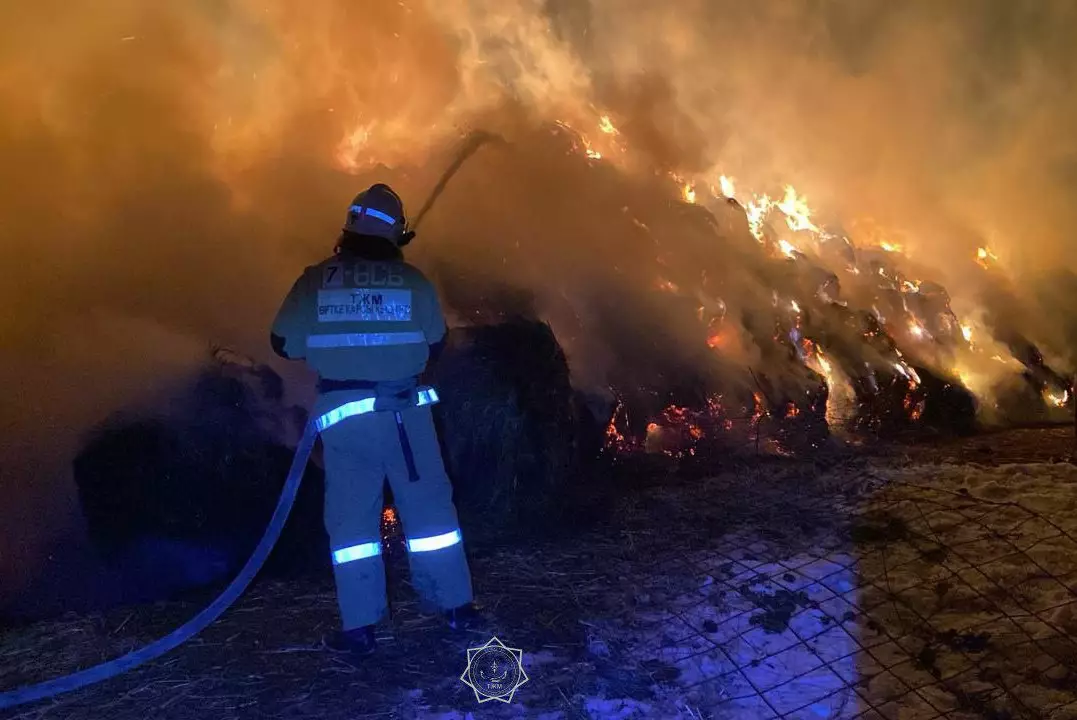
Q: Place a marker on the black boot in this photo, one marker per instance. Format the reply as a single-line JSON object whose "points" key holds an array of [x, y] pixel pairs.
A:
{"points": [[357, 642], [465, 617]]}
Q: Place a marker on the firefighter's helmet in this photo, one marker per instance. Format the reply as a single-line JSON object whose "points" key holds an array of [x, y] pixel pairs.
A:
{"points": [[379, 212]]}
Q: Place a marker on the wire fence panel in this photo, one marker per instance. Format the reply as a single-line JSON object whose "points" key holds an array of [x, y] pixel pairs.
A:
{"points": [[915, 591]]}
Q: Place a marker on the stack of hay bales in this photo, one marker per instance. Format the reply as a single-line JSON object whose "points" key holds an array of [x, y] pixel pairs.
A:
{"points": [[196, 486], [509, 422], [201, 480]]}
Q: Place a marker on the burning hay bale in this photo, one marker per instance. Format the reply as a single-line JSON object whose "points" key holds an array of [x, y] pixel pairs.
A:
{"points": [[949, 408], [794, 408], [715, 281], [200, 482], [508, 419]]}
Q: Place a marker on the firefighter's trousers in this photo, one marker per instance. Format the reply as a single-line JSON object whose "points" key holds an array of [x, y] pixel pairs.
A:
{"points": [[360, 453]]}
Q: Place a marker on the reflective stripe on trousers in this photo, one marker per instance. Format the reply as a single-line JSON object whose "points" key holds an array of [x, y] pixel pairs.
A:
{"points": [[359, 456], [427, 396], [356, 552], [415, 545]]}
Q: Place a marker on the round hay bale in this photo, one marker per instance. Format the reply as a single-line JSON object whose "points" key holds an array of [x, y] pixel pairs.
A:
{"points": [[207, 475], [508, 421]]}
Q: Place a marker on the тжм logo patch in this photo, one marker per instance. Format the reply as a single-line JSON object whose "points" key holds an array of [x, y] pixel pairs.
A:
{"points": [[494, 671]]}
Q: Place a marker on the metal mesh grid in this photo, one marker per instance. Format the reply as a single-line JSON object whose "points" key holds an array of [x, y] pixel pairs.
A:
{"points": [[921, 600]]}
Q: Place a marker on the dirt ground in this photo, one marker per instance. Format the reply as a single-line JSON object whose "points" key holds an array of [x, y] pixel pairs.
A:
{"points": [[918, 581]]}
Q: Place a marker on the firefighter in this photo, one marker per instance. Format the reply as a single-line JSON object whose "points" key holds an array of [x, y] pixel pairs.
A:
{"points": [[368, 323]]}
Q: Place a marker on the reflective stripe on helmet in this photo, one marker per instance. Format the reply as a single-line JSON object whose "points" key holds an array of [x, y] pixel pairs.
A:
{"points": [[365, 339], [371, 212]]}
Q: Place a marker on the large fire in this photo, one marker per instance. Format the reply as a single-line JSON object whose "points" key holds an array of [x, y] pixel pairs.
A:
{"points": [[856, 329], [710, 155], [906, 312]]}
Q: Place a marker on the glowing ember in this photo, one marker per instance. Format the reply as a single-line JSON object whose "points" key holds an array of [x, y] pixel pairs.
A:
{"points": [[787, 248], [606, 126], [966, 332], [689, 193], [891, 247], [614, 437], [759, 410], [727, 186], [389, 522], [613, 434], [917, 330], [668, 286], [914, 408], [1056, 399]]}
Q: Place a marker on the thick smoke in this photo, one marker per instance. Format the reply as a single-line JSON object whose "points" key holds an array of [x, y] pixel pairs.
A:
{"points": [[167, 168]]}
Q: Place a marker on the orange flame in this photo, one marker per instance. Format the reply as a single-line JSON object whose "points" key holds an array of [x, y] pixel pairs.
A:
{"points": [[726, 184], [985, 257], [760, 410], [797, 212]]}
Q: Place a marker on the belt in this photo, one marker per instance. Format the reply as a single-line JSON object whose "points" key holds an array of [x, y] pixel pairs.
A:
{"points": [[327, 385], [393, 395]]}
